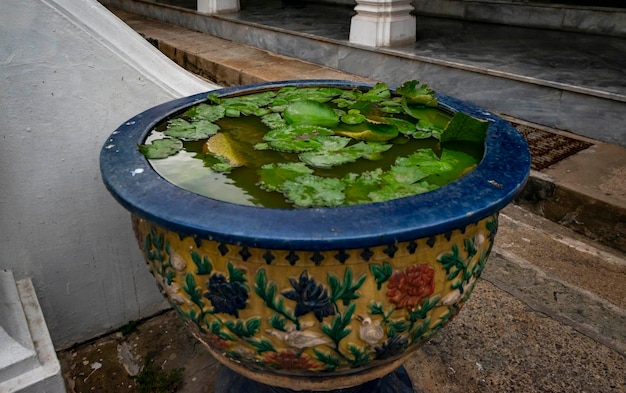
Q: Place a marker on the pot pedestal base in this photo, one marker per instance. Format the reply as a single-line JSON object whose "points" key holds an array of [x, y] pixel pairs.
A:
{"points": [[398, 381]]}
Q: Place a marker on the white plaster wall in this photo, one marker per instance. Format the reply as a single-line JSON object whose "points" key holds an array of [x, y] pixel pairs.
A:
{"points": [[70, 73]]}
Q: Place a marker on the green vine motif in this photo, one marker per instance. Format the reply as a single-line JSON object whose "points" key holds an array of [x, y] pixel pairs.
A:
{"points": [[262, 345], [492, 227], [394, 327], [157, 251], [190, 288], [346, 291], [419, 314], [330, 361], [203, 263], [268, 292], [457, 267], [241, 330], [361, 356], [339, 329], [381, 273]]}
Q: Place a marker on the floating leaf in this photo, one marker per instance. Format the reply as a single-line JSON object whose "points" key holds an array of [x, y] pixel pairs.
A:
{"points": [[425, 129], [463, 127], [273, 120], [161, 148], [335, 154], [311, 113], [274, 175], [196, 130], [318, 94], [296, 138], [412, 94], [380, 92], [221, 146], [402, 126], [353, 117], [206, 112], [370, 131], [399, 190], [310, 190]]}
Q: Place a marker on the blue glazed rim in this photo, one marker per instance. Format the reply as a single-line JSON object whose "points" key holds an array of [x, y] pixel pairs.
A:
{"points": [[495, 182]]}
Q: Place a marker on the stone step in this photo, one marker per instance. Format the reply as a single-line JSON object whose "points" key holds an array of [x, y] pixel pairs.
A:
{"points": [[526, 73]]}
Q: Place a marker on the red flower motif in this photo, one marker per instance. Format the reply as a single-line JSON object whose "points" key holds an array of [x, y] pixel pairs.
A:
{"points": [[289, 360], [408, 289]]}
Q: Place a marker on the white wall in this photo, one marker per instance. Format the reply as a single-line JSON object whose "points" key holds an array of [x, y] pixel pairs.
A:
{"points": [[70, 73]]}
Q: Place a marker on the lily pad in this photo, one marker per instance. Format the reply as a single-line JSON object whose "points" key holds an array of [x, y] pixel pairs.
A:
{"points": [[353, 117], [311, 113], [334, 152], [463, 127], [380, 92], [211, 113], [194, 131], [415, 94], [161, 148], [311, 191], [319, 94], [273, 120], [370, 132], [272, 176], [296, 138], [221, 146]]}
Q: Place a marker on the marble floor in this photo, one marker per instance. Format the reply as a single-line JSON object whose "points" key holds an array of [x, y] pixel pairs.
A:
{"points": [[571, 81], [586, 61], [592, 63]]}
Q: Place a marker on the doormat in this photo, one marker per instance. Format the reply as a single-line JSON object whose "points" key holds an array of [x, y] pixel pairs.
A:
{"points": [[547, 148]]}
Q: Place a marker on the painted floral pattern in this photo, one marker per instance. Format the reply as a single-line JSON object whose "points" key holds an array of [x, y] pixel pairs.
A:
{"points": [[310, 297], [226, 297], [408, 288], [289, 360], [317, 320]]}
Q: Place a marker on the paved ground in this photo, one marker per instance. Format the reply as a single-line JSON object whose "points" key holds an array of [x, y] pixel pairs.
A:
{"points": [[548, 315]]}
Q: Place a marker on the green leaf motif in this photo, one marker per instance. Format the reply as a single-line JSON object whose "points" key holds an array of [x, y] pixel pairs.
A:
{"points": [[236, 274], [338, 329], [381, 273], [203, 264], [361, 355], [262, 345], [278, 323], [161, 148], [330, 361], [216, 328], [346, 290], [238, 328], [190, 288], [267, 292]]}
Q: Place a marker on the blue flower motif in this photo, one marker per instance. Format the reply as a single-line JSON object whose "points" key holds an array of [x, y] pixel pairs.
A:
{"points": [[226, 297], [309, 296], [392, 347]]}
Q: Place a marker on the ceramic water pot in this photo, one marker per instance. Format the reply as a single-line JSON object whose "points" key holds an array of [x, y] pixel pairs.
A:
{"points": [[319, 298]]}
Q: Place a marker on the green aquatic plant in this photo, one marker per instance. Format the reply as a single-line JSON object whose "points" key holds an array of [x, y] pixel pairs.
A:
{"points": [[313, 129]]}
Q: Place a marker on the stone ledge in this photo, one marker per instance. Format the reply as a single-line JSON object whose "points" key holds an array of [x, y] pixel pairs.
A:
{"points": [[28, 362]]}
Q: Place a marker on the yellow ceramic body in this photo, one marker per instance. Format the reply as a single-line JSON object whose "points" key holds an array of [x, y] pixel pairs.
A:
{"points": [[316, 320]]}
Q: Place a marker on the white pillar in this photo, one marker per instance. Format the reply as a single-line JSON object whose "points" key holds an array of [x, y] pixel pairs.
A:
{"points": [[383, 23], [217, 6]]}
